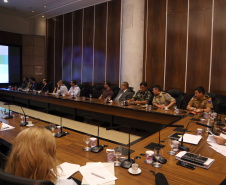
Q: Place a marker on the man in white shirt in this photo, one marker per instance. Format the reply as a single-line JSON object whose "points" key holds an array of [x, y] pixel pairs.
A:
{"points": [[62, 88], [74, 90]]}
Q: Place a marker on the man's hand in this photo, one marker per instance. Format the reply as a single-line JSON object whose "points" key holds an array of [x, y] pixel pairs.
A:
{"points": [[199, 110], [220, 140]]}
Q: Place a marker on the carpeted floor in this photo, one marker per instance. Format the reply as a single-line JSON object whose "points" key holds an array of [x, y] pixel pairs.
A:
{"points": [[112, 135]]}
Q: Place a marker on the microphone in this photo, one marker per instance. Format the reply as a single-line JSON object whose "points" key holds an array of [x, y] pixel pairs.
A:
{"points": [[128, 162], [98, 148], [61, 133], [23, 123], [181, 146], [208, 126], [9, 116]]}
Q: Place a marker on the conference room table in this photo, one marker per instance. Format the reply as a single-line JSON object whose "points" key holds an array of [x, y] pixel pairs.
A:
{"points": [[114, 111], [70, 149]]}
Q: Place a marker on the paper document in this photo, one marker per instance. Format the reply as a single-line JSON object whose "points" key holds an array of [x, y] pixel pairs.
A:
{"points": [[96, 173], [213, 144], [65, 170], [192, 139], [6, 127]]}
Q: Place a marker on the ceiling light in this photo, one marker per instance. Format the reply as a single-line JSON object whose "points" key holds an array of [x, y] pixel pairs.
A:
{"points": [[6, 1], [44, 6], [32, 11], [43, 16]]}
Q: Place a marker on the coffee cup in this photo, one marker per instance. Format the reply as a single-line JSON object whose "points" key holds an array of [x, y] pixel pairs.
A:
{"points": [[166, 108], [202, 121], [134, 167], [199, 131], [29, 123]]}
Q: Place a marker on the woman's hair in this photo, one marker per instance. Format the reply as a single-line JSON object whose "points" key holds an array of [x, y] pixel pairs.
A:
{"points": [[33, 155]]}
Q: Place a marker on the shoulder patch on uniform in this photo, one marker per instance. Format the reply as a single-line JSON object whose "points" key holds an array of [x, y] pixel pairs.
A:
{"points": [[209, 101]]}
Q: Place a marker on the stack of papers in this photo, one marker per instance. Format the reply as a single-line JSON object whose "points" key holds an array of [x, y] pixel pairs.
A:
{"points": [[65, 170], [218, 148], [192, 139], [98, 173], [6, 127]]}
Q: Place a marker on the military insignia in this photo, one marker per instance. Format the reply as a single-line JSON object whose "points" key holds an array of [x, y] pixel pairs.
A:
{"points": [[209, 101]]}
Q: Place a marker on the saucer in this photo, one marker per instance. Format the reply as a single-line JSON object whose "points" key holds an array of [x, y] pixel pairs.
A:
{"points": [[136, 173], [30, 125], [166, 109]]}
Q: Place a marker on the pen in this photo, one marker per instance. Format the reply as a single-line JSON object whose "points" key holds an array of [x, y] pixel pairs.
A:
{"points": [[97, 175]]}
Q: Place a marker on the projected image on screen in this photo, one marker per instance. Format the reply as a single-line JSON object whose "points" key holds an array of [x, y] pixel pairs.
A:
{"points": [[4, 64]]}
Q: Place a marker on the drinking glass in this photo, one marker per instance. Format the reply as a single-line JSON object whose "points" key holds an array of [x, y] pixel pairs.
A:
{"points": [[174, 147], [3, 111], [158, 153], [86, 139], [90, 96], [52, 127], [117, 154]]}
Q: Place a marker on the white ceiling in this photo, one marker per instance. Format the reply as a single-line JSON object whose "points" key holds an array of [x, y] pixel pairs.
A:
{"points": [[24, 8]]}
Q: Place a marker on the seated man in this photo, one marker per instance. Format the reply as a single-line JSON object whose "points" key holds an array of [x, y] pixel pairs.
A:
{"points": [[143, 95], [75, 90], [107, 92], [45, 86], [200, 102], [124, 93], [162, 99], [24, 83], [62, 89], [34, 84]]}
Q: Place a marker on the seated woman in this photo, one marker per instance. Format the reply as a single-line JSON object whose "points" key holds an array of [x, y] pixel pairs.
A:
{"points": [[33, 156]]}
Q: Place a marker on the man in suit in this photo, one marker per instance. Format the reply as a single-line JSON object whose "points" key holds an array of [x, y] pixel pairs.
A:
{"points": [[45, 86], [24, 83], [125, 92], [34, 84]]}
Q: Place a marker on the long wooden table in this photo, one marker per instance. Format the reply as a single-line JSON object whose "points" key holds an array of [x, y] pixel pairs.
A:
{"points": [[70, 149], [135, 116]]}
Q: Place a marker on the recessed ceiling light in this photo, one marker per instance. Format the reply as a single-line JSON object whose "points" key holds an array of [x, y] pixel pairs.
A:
{"points": [[6, 1], [44, 6], [32, 11], [43, 16]]}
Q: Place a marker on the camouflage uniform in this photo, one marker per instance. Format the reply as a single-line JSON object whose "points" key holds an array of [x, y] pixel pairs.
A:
{"points": [[204, 103], [163, 98], [143, 96]]}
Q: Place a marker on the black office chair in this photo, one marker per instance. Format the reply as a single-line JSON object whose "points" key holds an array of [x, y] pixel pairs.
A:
{"points": [[8, 179], [177, 96]]}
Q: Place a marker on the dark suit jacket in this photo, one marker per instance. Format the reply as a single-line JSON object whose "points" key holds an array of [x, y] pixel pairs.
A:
{"points": [[34, 86], [45, 88], [125, 95]]}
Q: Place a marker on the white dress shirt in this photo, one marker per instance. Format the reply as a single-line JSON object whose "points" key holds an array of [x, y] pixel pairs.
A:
{"points": [[63, 89], [75, 90]]}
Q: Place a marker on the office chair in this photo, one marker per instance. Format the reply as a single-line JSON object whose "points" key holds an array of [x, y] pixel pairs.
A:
{"points": [[8, 179]]}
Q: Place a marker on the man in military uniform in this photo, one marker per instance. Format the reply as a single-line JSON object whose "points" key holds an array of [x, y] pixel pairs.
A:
{"points": [[200, 102], [162, 99], [142, 96]]}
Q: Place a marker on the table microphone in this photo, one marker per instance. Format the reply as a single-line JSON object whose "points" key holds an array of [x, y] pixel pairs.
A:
{"points": [[181, 146], [23, 123], [98, 148], [9, 116], [128, 162], [208, 126]]}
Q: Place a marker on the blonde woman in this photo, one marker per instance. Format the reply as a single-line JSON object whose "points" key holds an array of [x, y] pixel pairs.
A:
{"points": [[33, 156]]}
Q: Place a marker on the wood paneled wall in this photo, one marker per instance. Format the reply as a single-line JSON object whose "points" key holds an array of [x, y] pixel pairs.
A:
{"points": [[84, 45], [185, 43]]}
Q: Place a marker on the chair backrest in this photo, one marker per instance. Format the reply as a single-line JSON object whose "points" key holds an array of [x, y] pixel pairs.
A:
{"points": [[8, 179], [177, 96]]}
